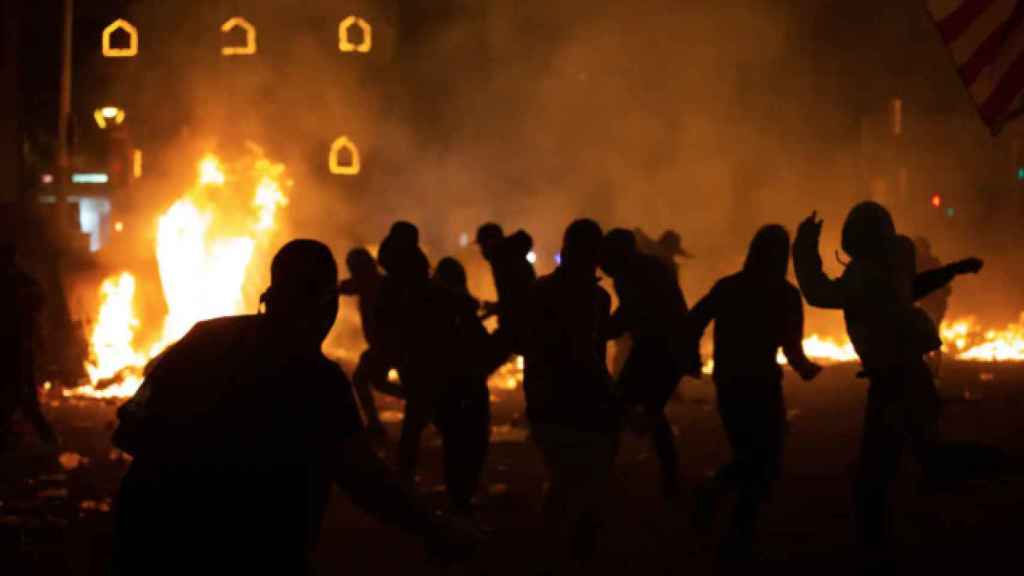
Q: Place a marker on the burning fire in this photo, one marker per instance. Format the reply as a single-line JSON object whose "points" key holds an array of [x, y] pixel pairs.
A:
{"points": [[204, 244], [967, 341]]}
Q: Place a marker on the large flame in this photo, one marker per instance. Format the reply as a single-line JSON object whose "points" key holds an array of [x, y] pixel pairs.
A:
{"points": [[204, 244]]}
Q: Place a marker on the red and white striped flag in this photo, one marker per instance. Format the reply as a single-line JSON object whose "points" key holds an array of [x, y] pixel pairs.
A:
{"points": [[986, 38]]}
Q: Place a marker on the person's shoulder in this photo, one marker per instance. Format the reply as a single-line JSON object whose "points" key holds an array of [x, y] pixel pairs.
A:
{"points": [[225, 326], [732, 280]]}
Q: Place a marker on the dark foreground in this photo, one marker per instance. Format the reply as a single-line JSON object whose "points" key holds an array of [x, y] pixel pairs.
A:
{"points": [[55, 520]]}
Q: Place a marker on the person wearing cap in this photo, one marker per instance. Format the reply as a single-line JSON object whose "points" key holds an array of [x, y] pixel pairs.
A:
{"points": [[513, 277], [372, 370], [22, 299], [569, 405], [876, 293], [652, 311], [756, 312], [237, 434]]}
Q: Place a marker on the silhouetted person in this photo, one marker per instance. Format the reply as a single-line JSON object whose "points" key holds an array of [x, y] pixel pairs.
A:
{"points": [[756, 311], [513, 277], [421, 326], [936, 303], [568, 396], [652, 310], [372, 369], [21, 299], [237, 434], [464, 411], [876, 294], [666, 248]]}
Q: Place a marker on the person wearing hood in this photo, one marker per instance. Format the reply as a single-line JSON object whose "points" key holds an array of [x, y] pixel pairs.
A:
{"points": [[756, 312], [876, 293]]}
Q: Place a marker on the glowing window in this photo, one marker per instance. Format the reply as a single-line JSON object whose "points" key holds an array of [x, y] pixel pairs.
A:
{"points": [[334, 161], [110, 51], [250, 37], [345, 35]]}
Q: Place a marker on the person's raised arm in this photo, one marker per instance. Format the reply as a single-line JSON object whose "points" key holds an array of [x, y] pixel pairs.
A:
{"points": [[931, 280], [793, 335], [819, 290]]}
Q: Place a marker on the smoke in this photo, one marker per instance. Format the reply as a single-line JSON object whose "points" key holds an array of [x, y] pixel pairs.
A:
{"points": [[712, 118]]}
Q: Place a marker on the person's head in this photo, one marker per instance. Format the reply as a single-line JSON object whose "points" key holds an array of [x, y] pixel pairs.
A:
{"points": [[769, 252], [405, 233], [400, 255], [581, 246], [302, 300], [489, 236], [671, 243], [866, 230], [361, 264], [618, 246], [452, 275]]}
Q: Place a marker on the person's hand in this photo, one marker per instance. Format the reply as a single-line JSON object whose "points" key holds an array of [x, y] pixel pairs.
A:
{"points": [[969, 266], [811, 226], [809, 371]]}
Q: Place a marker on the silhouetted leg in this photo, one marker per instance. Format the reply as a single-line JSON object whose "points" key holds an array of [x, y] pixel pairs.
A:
{"points": [[880, 452], [415, 421], [664, 443], [362, 380], [579, 470], [922, 405]]}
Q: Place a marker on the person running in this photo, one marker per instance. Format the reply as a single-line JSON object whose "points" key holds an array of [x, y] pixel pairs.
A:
{"points": [[876, 293], [652, 310], [513, 275], [464, 411], [372, 370], [756, 311], [237, 434], [569, 405]]}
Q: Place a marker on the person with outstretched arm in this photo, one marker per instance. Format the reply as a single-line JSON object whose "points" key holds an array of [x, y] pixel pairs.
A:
{"points": [[237, 434], [891, 335]]}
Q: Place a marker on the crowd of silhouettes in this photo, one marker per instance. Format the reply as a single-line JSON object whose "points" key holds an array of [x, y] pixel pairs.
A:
{"points": [[245, 423]]}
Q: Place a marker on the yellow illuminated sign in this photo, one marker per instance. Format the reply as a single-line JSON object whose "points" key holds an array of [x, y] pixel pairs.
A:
{"points": [[250, 37], [350, 169], [121, 24], [108, 115], [344, 41]]}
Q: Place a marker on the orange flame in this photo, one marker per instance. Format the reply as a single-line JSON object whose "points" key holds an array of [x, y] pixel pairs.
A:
{"points": [[203, 264]]}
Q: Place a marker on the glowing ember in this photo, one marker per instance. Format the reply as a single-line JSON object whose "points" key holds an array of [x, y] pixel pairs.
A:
{"points": [[204, 244]]}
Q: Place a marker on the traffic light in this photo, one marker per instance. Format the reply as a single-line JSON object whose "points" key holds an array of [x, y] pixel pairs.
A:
{"points": [[1020, 174], [936, 200]]}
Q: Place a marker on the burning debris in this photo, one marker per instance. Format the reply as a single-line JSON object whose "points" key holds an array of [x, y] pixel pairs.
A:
{"points": [[210, 233]]}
